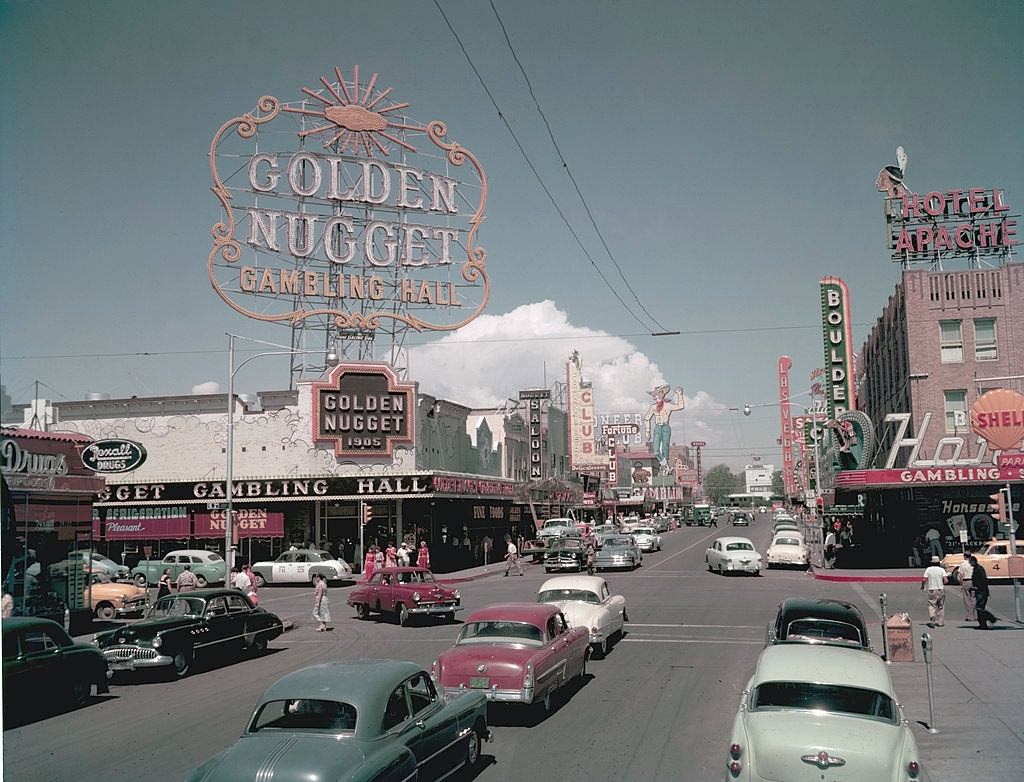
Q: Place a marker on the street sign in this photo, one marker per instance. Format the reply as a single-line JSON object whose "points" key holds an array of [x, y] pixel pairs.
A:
{"points": [[963, 536]]}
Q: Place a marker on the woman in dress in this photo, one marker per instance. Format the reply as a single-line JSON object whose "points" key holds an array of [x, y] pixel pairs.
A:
{"points": [[391, 556], [321, 605], [423, 555], [369, 561], [378, 558], [164, 585]]}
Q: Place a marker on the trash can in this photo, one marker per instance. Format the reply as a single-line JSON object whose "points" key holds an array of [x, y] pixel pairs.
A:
{"points": [[899, 634]]}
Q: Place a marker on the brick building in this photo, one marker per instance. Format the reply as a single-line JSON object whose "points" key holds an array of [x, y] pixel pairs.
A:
{"points": [[943, 339]]}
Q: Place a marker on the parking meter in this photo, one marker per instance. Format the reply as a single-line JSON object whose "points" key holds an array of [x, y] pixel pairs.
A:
{"points": [[926, 647], [883, 602]]}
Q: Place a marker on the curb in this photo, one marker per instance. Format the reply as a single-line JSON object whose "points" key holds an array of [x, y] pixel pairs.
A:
{"points": [[817, 573]]}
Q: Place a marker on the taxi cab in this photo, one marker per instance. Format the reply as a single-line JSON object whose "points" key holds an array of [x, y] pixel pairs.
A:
{"points": [[993, 556]]}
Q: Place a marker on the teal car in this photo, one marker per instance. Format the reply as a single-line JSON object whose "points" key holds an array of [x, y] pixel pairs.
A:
{"points": [[44, 667], [354, 721], [209, 567]]}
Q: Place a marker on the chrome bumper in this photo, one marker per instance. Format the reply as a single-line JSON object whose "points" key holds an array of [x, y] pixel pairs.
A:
{"points": [[134, 663], [753, 567], [136, 608], [435, 609], [562, 565], [524, 695]]}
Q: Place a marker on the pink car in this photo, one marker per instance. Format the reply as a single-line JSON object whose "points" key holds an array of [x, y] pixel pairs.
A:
{"points": [[514, 653], [407, 592]]}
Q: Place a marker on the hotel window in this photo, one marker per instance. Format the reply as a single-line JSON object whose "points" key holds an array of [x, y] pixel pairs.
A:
{"points": [[956, 410], [951, 341], [985, 348]]}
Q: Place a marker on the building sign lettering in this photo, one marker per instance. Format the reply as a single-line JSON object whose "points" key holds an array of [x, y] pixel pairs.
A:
{"points": [[583, 453], [363, 410], [838, 343], [113, 456], [373, 226]]}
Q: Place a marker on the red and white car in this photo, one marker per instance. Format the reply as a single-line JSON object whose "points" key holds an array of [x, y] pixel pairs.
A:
{"points": [[406, 592], [514, 653]]}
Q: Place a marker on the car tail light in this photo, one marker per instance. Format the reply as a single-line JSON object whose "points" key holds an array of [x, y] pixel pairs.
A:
{"points": [[435, 671], [735, 750], [913, 768], [735, 767], [528, 676]]}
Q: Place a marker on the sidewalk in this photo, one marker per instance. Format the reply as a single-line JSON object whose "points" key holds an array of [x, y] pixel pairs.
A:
{"points": [[481, 571], [877, 575], [978, 685]]}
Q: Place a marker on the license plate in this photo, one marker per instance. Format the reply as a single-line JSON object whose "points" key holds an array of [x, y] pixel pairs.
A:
{"points": [[122, 665], [479, 683]]}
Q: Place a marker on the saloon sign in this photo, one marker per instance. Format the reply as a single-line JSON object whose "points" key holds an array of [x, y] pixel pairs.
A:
{"points": [[369, 217], [364, 411]]}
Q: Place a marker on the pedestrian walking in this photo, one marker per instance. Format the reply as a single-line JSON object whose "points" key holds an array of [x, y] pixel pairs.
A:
{"points": [[391, 556], [164, 584], [321, 605], [253, 595], [714, 520], [965, 575], [187, 580], [829, 555], [369, 562], [403, 555], [979, 577], [512, 555], [590, 556], [241, 582], [934, 580], [423, 555]]}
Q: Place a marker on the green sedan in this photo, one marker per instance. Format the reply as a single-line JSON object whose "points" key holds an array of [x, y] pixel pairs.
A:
{"points": [[44, 666], [354, 721]]}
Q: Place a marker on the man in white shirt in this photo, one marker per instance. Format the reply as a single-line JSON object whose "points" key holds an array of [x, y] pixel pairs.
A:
{"points": [[934, 580], [513, 558], [828, 556], [241, 582]]}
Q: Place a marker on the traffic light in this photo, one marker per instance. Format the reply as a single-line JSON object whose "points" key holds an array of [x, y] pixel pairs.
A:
{"points": [[367, 513], [997, 508]]}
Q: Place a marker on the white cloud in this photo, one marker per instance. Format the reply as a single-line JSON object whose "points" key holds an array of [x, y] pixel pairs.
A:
{"points": [[209, 387]]}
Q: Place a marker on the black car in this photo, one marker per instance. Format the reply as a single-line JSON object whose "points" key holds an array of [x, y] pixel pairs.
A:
{"points": [[566, 554], [740, 519], [181, 628], [805, 620], [45, 667]]}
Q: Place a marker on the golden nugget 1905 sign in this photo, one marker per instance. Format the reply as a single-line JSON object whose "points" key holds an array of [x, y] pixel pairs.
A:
{"points": [[364, 410], [340, 208]]}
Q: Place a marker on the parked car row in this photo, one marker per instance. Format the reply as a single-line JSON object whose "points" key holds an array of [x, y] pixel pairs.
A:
{"points": [[820, 700]]}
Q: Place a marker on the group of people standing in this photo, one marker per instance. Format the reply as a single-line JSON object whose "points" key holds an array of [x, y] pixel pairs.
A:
{"points": [[403, 556], [973, 588]]}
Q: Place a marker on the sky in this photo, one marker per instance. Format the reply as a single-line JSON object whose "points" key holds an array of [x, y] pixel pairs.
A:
{"points": [[727, 151]]}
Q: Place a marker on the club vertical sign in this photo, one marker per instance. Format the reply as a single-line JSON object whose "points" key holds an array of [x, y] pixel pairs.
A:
{"points": [[838, 343], [786, 422]]}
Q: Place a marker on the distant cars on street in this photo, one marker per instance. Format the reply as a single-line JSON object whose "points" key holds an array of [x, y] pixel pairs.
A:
{"points": [[299, 566], [565, 554], [788, 549], [208, 566], [646, 539], [618, 551]]}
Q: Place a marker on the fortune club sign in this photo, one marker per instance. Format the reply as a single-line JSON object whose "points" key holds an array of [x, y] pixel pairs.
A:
{"points": [[372, 216]]}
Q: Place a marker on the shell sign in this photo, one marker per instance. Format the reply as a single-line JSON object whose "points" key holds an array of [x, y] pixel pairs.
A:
{"points": [[998, 416]]}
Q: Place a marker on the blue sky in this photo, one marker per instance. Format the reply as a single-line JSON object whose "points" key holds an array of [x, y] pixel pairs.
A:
{"points": [[728, 152]]}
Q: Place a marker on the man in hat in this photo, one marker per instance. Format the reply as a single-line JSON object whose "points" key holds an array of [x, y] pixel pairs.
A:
{"points": [[934, 580], [659, 413]]}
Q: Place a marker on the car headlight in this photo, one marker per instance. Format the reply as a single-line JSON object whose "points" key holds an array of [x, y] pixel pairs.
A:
{"points": [[95, 640], [456, 594], [157, 642], [416, 596]]}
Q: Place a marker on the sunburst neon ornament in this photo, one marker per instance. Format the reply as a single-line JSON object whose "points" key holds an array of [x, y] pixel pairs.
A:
{"points": [[352, 120]]}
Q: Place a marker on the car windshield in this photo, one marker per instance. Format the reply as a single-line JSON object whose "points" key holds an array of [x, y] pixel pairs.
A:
{"points": [[786, 542], [100, 578], [304, 714], [823, 630], [176, 605], [833, 698], [557, 523], [211, 557], [617, 541], [643, 531], [559, 595], [739, 546], [416, 577], [500, 632]]}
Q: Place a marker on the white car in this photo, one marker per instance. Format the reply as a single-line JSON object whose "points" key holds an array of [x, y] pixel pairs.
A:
{"points": [[587, 602], [733, 555], [298, 566], [646, 538], [556, 528], [788, 548], [813, 713]]}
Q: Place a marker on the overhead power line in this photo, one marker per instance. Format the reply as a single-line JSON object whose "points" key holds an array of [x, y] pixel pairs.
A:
{"points": [[568, 171], [536, 173]]}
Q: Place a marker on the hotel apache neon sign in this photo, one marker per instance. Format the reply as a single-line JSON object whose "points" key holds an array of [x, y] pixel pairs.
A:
{"points": [[361, 230]]}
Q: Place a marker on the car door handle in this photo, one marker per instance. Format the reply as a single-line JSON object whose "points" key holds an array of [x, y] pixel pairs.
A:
{"points": [[421, 724]]}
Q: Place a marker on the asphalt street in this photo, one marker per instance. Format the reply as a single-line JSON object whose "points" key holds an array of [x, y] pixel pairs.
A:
{"points": [[659, 707]]}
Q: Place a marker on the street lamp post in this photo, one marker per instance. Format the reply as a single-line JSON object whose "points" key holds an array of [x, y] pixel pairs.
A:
{"points": [[229, 518]]}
